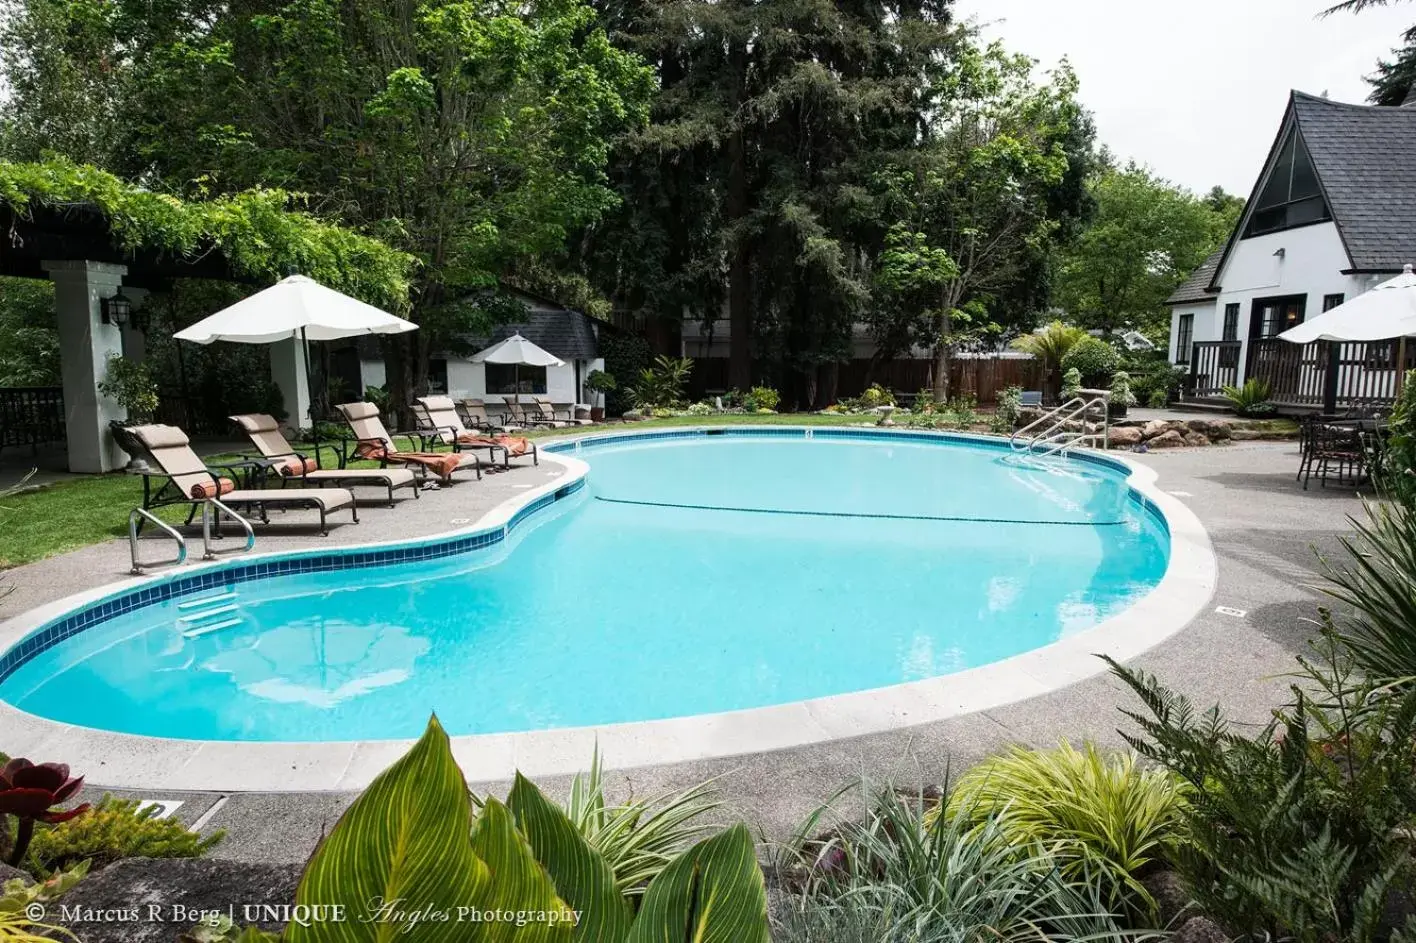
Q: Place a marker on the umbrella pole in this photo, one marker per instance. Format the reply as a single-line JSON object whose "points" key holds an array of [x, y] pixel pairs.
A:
{"points": [[1400, 365], [310, 384]]}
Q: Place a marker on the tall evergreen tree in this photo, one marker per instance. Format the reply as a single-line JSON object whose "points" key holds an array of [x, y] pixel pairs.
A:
{"points": [[1396, 77]]}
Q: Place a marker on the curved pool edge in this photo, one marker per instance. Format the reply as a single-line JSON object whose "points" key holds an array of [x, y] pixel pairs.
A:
{"points": [[129, 761]]}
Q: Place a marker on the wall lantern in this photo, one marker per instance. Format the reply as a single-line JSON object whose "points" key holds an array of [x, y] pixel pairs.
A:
{"points": [[117, 310]]}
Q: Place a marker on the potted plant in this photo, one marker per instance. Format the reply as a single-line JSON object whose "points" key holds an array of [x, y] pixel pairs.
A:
{"points": [[131, 384], [1122, 398], [599, 382]]}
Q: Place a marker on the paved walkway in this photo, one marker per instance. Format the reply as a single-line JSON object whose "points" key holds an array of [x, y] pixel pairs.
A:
{"points": [[1264, 528]]}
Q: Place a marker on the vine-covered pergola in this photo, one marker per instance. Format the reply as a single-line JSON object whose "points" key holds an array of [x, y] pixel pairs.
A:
{"points": [[94, 235]]}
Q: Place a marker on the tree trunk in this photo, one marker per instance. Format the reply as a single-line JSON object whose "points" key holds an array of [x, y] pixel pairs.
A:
{"points": [[830, 381], [397, 376], [941, 357], [739, 268]]}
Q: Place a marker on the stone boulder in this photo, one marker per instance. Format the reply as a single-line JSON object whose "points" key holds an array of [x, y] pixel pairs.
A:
{"points": [[1196, 439], [8, 873], [1156, 427], [1172, 898], [1170, 439], [156, 900], [1213, 429], [1200, 930], [1125, 436]]}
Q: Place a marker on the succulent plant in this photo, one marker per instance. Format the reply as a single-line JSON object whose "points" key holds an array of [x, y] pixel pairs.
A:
{"points": [[29, 792]]}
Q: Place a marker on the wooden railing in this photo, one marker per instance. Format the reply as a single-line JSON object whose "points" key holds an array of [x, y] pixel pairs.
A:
{"points": [[1328, 375], [31, 415], [1213, 366]]}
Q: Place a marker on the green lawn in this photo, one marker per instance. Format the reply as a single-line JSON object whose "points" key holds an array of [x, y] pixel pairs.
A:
{"points": [[63, 517]]}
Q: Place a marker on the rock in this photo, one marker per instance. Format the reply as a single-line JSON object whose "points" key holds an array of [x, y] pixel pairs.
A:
{"points": [[1155, 428], [156, 900], [8, 873], [1214, 429], [1125, 437], [1172, 898], [1244, 435], [1196, 439], [1200, 930], [1169, 439]]}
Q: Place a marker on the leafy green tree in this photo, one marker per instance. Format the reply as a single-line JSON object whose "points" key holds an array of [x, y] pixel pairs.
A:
{"points": [[1147, 237], [973, 201], [470, 134]]}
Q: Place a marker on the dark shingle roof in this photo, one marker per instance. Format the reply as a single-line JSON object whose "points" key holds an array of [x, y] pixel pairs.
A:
{"points": [[1196, 288], [568, 334], [1365, 158]]}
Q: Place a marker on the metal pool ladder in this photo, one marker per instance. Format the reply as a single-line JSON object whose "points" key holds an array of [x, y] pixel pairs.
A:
{"points": [[1047, 434], [212, 509], [138, 514]]}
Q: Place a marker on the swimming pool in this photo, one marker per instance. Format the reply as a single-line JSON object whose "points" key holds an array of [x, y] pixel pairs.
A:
{"points": [[693, 574]]}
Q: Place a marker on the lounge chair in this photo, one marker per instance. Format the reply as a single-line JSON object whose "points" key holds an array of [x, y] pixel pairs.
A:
{"points": [[291, 465], [372, 441], [438, 422], [194, 483], [547, 410], [519, 415], [474, 416]]}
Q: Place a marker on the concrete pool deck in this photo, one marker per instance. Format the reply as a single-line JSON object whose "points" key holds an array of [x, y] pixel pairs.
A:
{"points": [[1261, 524]]}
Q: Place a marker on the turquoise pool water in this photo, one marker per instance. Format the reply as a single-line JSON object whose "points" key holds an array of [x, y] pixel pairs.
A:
{"points": [[689, 576]]}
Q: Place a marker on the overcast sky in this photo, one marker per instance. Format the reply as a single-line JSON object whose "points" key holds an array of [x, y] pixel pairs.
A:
{"points": [[1197, 89]]}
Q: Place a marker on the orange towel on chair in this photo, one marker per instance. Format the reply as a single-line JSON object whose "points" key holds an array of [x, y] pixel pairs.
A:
{"points": [[514, 445], [443, 464]]}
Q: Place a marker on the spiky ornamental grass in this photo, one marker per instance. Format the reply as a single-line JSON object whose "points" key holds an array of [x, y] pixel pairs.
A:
{"points": [[901, 875], [1097, 813]]}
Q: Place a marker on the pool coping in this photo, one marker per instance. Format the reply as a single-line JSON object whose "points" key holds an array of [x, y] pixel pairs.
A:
{"points": [[131, 761]]}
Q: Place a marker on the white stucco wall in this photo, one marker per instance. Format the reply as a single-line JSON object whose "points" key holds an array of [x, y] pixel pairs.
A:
{"points": [[1311, 264], [1205, 328], [371, 373]]}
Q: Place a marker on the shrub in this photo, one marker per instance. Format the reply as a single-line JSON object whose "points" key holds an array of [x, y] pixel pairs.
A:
{"points": [[1251, 399], [1010, 404], [1397, 475], [378, 397], [1158, 399], [1071, 383], [1102, 817], [1299, 831], [1378, 587], [639, 837], [961, 412], [1051, 344], [131, 384], [902, 875], [113, 829], [761, 398], [661, 386], [1121, 394], [700, 409], [1154, 383], [1094, 359], [876, 395]]}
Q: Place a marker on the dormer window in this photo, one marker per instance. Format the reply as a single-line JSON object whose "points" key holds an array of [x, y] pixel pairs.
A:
{"points": [[1291, 196]]}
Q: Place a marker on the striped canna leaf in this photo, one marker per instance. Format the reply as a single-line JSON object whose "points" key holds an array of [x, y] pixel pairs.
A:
{"points": [[713, 893], [404, 843], [582, 876], [520, 885]]}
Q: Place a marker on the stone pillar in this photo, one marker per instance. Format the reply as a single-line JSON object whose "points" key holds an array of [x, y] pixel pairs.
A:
{"points": [[85, 344], [287, 370]]}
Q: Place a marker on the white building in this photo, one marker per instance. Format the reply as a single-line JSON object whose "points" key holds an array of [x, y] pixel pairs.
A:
{"points": [[1332, 214], [564, 332]]}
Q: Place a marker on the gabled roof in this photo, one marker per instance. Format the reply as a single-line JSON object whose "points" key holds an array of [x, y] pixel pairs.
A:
{"points": [[1365, 160], [1196, 288], [568, 334]]}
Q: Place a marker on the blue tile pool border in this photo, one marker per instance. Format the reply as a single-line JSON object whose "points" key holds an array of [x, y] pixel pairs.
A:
{"points": [[230, 575]]}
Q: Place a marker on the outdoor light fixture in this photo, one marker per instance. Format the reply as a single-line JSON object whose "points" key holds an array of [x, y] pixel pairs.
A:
{"points": [[117, 310], [1280, 253]]}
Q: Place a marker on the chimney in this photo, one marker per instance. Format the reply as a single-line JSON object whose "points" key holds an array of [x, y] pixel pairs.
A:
{"points": [[1410, 100]]}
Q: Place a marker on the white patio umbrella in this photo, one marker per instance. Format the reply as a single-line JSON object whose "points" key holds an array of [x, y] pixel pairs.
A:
{"points": [[294, 307], [1385, 312], [516, 351]]}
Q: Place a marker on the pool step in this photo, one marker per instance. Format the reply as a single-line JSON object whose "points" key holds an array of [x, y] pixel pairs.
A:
{"points": [[200, 630], [205, 600], [208, 614]]}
